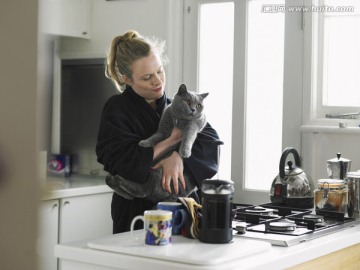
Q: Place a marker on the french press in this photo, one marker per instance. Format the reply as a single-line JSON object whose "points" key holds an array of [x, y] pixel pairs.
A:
{"points": [[217, 196]]}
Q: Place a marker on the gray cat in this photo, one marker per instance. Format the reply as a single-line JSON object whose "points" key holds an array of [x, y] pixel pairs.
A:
{"points": [[186, 113]]}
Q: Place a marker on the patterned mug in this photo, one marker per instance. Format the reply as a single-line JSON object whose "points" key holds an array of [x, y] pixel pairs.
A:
{"points": [[157, 227]]}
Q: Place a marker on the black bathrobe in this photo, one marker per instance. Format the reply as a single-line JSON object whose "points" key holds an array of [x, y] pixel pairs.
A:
{"points": [[126, 119]]}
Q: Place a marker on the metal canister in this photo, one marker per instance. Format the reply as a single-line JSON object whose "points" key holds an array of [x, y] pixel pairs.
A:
{"points": [[331, 195], [353, 179], [337, 168]]}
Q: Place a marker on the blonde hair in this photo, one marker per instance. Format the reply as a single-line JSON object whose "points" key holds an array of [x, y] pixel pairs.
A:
{"points": [[125, 50]]}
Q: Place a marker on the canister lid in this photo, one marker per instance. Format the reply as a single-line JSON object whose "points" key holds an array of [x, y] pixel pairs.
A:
{"points": [[330, 183], [355, 174]]}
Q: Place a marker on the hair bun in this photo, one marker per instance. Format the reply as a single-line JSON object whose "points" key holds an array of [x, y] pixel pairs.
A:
{"points": [[130, 35]]}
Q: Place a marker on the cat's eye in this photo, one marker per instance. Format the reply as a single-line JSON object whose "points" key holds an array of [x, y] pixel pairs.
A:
{"points": [[198, 106], [187, 102]]}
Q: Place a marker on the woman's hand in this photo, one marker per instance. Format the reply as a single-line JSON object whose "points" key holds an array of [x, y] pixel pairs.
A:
{"points": [[173, 168]]}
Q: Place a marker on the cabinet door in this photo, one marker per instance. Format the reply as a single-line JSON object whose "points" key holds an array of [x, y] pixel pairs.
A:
{"points": [[65, 17], [85, 217], [48, 234]]}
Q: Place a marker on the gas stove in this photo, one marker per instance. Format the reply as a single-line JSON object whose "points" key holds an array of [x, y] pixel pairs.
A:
{"points": [[284, 226]]}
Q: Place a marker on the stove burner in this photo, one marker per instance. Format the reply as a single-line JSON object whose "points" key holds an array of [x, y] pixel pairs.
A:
{"points": [[316, 218], [282, 226], [260, 210]]}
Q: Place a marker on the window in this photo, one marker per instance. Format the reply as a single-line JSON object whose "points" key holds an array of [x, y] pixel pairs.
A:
{"points": [[235, 50], [338, 57], [264, 93], [216, 72]]}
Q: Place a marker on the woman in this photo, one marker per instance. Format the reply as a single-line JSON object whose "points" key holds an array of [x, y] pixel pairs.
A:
{"points": [[135, 65]]}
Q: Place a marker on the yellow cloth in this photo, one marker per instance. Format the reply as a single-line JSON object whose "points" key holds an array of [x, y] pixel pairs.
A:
{"points": [[193, 208]]}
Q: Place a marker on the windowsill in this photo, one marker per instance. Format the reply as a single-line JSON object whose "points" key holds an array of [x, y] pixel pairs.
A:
{"points": [[330, 129]]}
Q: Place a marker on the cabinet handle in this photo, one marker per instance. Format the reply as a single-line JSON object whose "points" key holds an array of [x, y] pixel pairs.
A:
{"points": [[54, 206], [66, 202]]}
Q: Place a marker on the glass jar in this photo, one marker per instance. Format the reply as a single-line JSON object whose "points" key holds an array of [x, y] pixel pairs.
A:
{"points": [[331, 195]]}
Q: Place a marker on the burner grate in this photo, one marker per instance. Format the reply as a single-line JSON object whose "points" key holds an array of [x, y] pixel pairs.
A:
{"points": [[252, 222]]}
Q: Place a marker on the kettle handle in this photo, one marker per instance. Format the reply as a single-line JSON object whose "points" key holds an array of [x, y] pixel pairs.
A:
{"points": [[283, 158]]}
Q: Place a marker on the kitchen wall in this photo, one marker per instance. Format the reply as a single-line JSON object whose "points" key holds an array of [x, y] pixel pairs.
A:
{"points": [[318, 147]]}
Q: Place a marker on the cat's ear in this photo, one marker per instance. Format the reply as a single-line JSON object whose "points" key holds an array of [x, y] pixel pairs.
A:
{"points": [[204, 95], [182, 89]]}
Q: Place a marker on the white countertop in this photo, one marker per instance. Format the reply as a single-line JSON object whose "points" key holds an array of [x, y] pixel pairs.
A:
{"points": [[285, 257], [78, 254], [76, 185]]}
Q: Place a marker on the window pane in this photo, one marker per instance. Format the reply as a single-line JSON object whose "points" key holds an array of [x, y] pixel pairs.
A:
{"points": [[216, 73], [341, 84], [264, 94]]}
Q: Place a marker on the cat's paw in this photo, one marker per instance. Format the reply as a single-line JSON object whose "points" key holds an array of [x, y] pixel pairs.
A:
{"points": [[185, 153], [145, 143]]}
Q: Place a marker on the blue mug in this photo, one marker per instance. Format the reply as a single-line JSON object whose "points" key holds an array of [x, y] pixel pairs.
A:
{"points": [[178, 214]]}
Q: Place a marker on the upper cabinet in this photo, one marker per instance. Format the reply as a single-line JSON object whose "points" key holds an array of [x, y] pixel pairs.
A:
{"points": [[65, 17]]}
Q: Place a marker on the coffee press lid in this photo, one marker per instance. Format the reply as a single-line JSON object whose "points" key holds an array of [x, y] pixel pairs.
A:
{"points": [[217, 186]]}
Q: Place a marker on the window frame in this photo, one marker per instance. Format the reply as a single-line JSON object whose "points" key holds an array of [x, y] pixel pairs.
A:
{"points": [[314, 110]]}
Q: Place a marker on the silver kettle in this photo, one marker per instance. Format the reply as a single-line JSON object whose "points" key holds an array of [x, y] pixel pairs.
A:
{"points": [[292, 187], [337, 168]]}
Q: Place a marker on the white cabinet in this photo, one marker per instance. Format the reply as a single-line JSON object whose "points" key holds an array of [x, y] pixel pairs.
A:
{"points": [[85, 217], [71, 219], [48, 234], [65, 17]]}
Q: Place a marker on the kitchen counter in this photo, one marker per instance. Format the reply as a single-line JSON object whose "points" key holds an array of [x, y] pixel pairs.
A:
{"points": [[77, 185], [78, 255]]}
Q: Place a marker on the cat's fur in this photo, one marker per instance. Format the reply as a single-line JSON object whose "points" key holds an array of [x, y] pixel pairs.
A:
{"points": [[186, 113], [151, 189]]}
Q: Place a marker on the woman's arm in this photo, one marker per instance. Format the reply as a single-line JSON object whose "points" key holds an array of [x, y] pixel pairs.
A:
{"points": [[201, 165], [123, 124], [172, 165], [164, 146]]}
